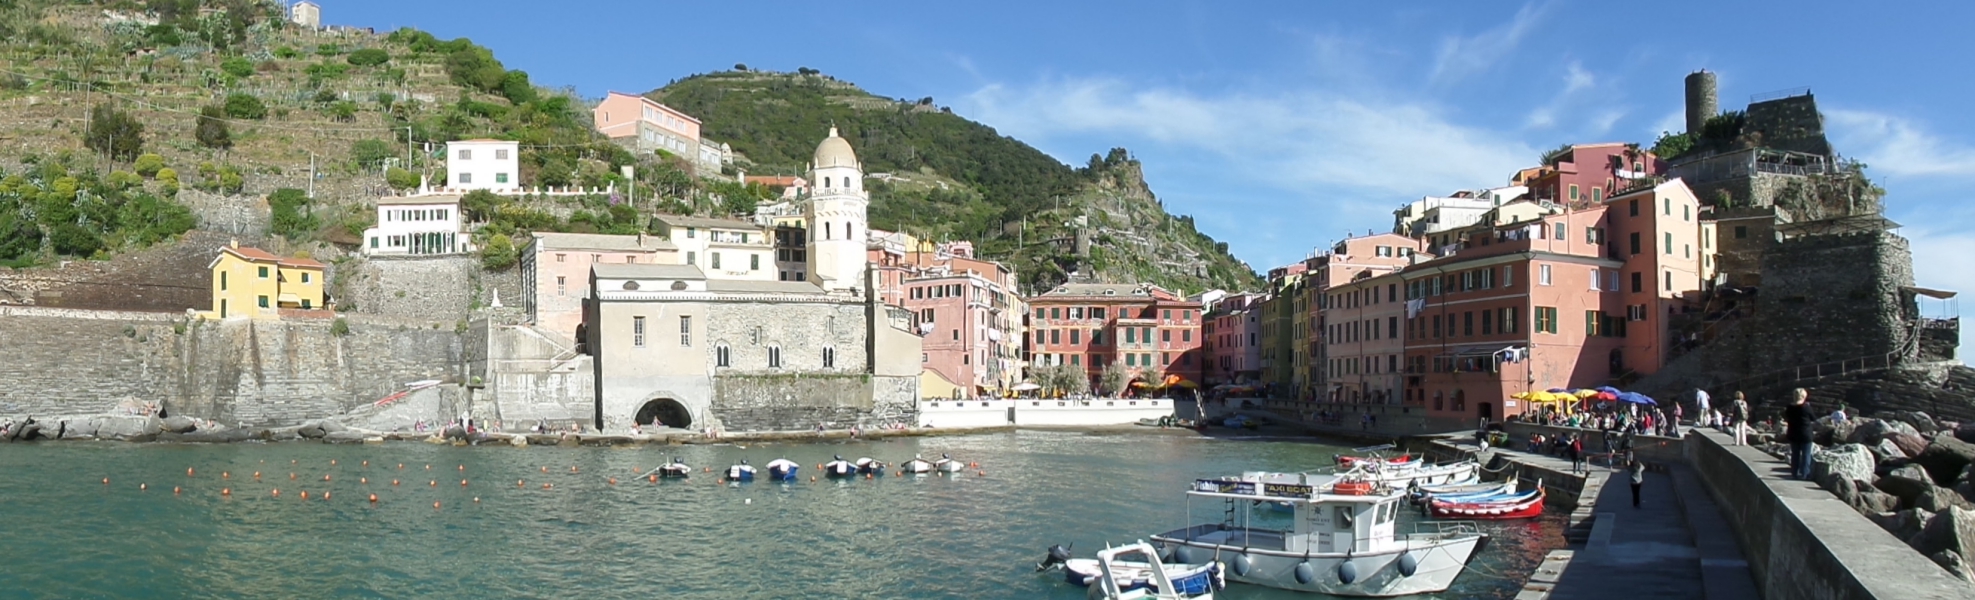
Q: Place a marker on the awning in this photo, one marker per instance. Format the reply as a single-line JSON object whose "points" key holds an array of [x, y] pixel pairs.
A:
{"points": [[1929, 292]]}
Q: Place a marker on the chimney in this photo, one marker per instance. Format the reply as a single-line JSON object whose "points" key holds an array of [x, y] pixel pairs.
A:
{"points": [[235, 243]]}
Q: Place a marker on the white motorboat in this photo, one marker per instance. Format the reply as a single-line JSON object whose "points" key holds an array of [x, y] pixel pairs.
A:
{"points": [[1135, 572], [678, 469], [1341, 541], [1418, 473], [782, 469], [947, 464], [839, 468], [741, 472], [916, 466], [868, 466], [1134, 569]]}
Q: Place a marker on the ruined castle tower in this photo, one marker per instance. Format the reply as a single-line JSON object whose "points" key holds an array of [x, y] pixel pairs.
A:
{"points": [[1701, 102]]}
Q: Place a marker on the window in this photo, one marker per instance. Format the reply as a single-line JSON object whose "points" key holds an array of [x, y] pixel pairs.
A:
{"points": [[1168, 314], [1685, 213], [1633, 208], [1592, 320], [1543, 274], [1076, 336], [263, 301], [753, 262], [561, 285], [1391, 292], [1597, 194], [1669, 206], [691, 232], [1055, 313], [1669, 281], [500, 178], [1558, 232], [1075, 360], [500, 155], [1436, 326], [1634, 239], [1508, 276], [692, 258], [1667, 247], [1637, 284], [305, 304], [465, 154], [1487, 323], [1055, 336], [774, 357], [1686, 250], [1097, 312], [1073, 336], [1573, 191], [1185, 335], [637, 332], [1131, 335], [1611, 281], [685, 330], [466, 178], [559, 257], [1594, 280], [722, 357], [1166, 335], [716, 259], [1486, 278], [222, 279], [263, 272], [1509, 319], [829, 357], [1546, 319], [1741, 231], [1097, 337]]}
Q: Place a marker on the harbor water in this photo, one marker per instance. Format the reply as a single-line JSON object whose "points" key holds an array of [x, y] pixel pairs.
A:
{"points": [[458, 522]]}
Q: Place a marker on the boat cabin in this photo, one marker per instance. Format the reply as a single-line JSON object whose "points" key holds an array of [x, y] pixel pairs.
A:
{"points": [[1336, 516]]}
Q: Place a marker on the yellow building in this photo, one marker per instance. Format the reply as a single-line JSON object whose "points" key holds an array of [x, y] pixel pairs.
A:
{"points": [[253, 283]]}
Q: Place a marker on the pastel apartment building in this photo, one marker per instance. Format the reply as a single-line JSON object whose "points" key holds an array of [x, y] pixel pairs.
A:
{"points": [[251, 282], [722, 248], [555, 271], [646, 126], [483, 164], [1581, 298], [1148, 330], [1590, 173], [1348, 260], [967, 311], [1232, 331], [418, 225], [1363, 339]]}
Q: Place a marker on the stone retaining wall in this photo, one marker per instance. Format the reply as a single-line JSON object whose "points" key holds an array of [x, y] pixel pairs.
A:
{"points": [[1802, 542]]}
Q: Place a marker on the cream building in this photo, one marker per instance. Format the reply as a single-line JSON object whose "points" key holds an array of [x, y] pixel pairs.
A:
{"points": [[493, 165]]}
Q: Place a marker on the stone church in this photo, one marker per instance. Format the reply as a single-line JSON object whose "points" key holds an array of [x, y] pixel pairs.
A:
{"points": [[672, 346]]}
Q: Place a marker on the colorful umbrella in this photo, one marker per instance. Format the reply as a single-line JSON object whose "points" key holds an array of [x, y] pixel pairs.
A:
{"points": [[1636, 398]]}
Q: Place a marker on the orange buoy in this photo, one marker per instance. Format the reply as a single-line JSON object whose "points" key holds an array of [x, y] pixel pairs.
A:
{"points": [[867, 475], [653, 478], [812, 478], [226, 491], [325, 495], [332, 462], [291, 461], [547, 486], [462, 483], [435, 483], [373, 498], [143, 486], [363, 480], [366, 463], [706, 469], [613, 481], [462, 467], [277, 493], [428, 467], [720, 481], [517, 483], [545, 469], [225, 475], [401, 465], [106, 481], [188, 471], [476, 499], [257, 474], [325, 478], [572, 468], [981, 473], [305, 495], [394, 482], [291, 476], [435, 505], [174, 490]]}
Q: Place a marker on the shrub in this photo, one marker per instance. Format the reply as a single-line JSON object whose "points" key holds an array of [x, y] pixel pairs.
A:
{"points": [[401, 179], [230, 180], [498, 253], [237, 67], [244, 106], [292, 218], [343, 111], [370, 154], [339, 327], [368, 57], [148, 164], [123, 180], [212, 131], [73, 240], [115, 133], [325, 96], [287, 52]]}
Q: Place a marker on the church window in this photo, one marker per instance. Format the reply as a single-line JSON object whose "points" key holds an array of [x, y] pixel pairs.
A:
{"points": [[829, 357], [722, 357], [774, 357], [637, 332]]}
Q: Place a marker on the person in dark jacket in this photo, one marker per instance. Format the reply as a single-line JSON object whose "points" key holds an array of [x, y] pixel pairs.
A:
{"points": [[1637, 470], [1796, 420]]}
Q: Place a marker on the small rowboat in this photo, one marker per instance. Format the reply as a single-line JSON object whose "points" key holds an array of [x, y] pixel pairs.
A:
{"points": [[1514, 509]]}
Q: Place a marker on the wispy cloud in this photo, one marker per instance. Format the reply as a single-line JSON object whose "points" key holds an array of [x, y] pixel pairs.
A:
{"points": [[1461, 57], [1578, 83], [1899, 146], [1673, 122]]}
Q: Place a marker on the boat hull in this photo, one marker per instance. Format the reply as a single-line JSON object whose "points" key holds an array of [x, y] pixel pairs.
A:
{"points": [[680, 472], [839, 469], [1522, 509], [1380, 575]]}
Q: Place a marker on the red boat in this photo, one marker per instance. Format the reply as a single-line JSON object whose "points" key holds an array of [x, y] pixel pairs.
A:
{"points": [[1519, 509]]}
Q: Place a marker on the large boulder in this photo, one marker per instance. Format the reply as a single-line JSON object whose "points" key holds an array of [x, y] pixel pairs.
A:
{"points": [[1951, 560], [312, 430], [1939, 499], [1945, 458], [1910, 445], [1850, 461], [1965, 432], [331, 426], [1906, 483], [343, 437], [1886, 450], [1920, 422], [1862, 496], [179, 424], [1826, 432], [1870, 431], [128, 428], [1904, 524], [1951, 529], [80, 429]]}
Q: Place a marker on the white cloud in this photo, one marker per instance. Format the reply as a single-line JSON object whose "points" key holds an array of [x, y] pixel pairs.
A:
{"points": [[1938, 262], [1577, 79], [1465, 56], [1899, 146], [1305, 143], [1673, 122]]}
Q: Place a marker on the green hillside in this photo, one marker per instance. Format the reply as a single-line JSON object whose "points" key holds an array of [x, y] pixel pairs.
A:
{"points": [[945, 177]]}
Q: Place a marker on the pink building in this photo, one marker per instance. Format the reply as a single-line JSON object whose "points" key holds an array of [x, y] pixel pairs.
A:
{"points": [[1590, 173], [969, 316], [1577, 299], [1363, 339], [646, 126], [1149, 331], [1350, 260], [1233, 340], [555, 271]]}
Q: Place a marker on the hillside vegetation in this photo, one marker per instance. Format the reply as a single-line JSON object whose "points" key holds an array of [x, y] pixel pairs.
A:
{"points": [[942, 176]]}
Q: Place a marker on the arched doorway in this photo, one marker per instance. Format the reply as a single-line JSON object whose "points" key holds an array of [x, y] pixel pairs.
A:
{"points": [[1487, 410], [666, 411]]}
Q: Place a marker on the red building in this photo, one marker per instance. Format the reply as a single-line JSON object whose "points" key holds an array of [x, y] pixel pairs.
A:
{"points": [[1148, 330], [1589, 173]]}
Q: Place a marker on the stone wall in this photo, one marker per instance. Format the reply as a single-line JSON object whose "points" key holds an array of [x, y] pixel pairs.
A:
{"points": [[1791, 123], [57, 362], [759, 402], [242, 216], [1832, 297], [439, 289], [1802, 542]]}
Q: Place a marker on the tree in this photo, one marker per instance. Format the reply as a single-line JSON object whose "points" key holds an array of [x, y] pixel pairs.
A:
{"points": [[244, 106], [230, 180], [480, 205], [400, 179], [73, 240], [498, 253], [115, 133], [168, 182], [1113, 379], [516, 88], [292, 217], [1671, 144], [148, 164], [740, 66], [212, 130], [368, 57], [370, 154]]}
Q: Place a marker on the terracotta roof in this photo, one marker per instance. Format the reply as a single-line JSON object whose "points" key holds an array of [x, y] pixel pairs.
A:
{"points": [[251, 253], [548, 241], [302, 263], [685, 221]]}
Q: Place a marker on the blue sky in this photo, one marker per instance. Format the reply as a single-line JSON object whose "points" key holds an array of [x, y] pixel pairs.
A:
{"points": [[1283, 125]]}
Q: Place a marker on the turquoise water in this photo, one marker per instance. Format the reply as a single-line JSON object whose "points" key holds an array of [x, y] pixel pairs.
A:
{"points": [[63, 533]]}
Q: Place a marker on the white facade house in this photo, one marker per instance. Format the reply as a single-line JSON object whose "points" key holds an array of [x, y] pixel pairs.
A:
{"points": [[417, 225], [723, 249], [306, 14], [493, 165], [837, 215]]}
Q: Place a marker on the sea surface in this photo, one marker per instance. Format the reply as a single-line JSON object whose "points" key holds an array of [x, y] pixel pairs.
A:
{"points": [[66, 534]]}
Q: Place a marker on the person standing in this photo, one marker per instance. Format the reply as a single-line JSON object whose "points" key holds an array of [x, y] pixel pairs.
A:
{"points": [[1738, 417], [1701, 405], [1576, 453], [1638, 471], [1796, 420]]}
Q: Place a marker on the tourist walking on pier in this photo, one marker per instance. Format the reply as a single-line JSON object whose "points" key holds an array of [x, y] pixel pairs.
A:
{"points": [[1796, 420], [1738, 417], [1701, 405], [1638, 471]]}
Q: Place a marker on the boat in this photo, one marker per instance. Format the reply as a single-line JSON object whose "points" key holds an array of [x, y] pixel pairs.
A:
{"points": [[917, 466], [839, 468], [870, 467], [1429, 492], [1341, 541], [678, 469], [1418, 472], [740, 472], [1134, 572], [947, 464], [782, 469], [1523, 506]]}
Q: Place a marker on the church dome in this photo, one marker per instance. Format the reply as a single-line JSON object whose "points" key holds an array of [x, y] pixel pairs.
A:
{"points": [[835, 152]]}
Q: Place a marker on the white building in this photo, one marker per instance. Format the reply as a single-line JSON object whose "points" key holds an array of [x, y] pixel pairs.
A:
{"points": [[837, 216], [306, 14], [493, 165], [417, 225], [723, 249]]}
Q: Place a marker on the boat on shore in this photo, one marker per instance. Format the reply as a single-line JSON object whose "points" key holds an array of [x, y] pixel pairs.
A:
{"points": [[1341, 540]]}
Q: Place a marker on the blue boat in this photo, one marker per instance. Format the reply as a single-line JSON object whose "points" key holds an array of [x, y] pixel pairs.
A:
{"points": [[740, 472], [869, 466], [782, 469], [839, 468]]}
